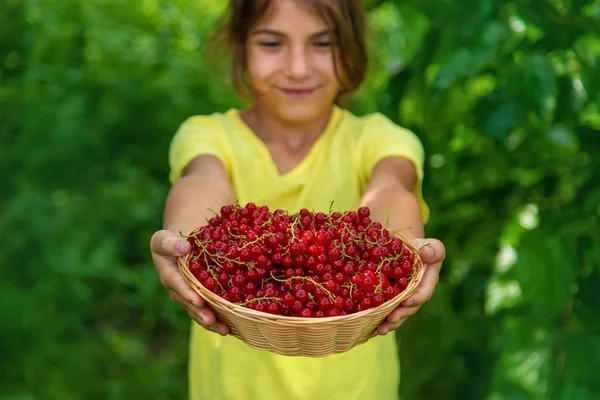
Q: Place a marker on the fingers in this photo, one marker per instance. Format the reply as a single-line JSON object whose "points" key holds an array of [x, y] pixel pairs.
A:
{"points": [[386, 327], [425, 290], [432, 250], [180, 292], [432, 253], [401, 313], [165, 246], [396, 319], [192, 307], [204, 316], [170, 244], [172, 280]]}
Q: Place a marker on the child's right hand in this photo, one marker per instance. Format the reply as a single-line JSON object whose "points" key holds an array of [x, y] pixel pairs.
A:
{"points": [[166, 246]]}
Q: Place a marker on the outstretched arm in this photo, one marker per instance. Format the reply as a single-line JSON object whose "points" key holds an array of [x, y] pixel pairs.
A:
{"points": [[203, 186], [391, 201]]}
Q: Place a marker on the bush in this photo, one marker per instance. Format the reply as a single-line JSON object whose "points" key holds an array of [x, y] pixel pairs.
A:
{"points": [[504, 96]]}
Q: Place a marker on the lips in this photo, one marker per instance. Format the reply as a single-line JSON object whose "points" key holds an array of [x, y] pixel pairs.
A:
{"points": [[298, 93]]}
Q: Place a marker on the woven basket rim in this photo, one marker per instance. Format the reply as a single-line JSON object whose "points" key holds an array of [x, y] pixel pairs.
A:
{"points": [[253, 315]]}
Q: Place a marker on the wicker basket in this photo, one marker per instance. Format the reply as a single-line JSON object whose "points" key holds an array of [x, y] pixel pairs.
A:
{"points": [[295, 336]]}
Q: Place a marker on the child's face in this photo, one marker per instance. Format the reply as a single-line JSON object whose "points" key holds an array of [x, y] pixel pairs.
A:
{"points": [[291, 62]]}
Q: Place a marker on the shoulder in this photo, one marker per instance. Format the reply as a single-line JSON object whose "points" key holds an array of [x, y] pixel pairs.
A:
{"points": [[374, 121], [216, 129], [222, 120], [202, 135], [375, 137], [377, 127]]}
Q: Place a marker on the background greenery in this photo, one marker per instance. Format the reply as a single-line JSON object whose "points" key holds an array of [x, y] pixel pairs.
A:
{"points": [[505, 96]]}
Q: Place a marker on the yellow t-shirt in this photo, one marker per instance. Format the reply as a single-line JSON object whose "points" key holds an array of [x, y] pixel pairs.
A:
{"points": [[337, 170]]}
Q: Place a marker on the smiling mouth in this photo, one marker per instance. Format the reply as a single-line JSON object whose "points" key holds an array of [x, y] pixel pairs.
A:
{"points": [[298, 93]]}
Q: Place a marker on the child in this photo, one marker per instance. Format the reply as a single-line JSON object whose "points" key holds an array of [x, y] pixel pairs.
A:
{"points": [[293, 148]]}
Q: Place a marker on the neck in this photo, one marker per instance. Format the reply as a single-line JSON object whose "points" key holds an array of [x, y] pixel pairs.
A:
{"points": [[295, 136]]}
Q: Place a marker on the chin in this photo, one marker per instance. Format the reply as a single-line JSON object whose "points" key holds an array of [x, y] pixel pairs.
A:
{"points": [[301, 113]]}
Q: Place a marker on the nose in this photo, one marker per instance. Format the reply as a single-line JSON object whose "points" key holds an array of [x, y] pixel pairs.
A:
{"points": [[298, 63]]}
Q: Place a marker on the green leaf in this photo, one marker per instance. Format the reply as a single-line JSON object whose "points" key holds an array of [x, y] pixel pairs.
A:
{"points": [[546, 268], [572, 391], [564, 138], [588, 292], [524, 368], [583, 360], [502, 120], [501, 294], [533, 78], [463, 64]]}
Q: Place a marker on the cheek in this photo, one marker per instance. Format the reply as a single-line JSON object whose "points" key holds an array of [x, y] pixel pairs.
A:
{"points": [[261, 68], [326, 67]]}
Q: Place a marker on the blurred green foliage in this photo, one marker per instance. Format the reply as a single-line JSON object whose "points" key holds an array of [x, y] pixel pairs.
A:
{"points": [[505, 96]]}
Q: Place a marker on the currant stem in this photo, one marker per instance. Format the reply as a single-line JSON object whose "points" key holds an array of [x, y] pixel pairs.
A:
{"points": [[293, 234], [306, 278], [218, 258], [422, 247], [257, 299], [258, 239]]}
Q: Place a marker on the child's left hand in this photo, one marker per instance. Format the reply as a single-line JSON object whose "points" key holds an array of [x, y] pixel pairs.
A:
{"points": [[432, 255]]}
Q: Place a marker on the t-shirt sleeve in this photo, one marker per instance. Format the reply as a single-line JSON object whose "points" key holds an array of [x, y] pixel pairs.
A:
{"points": [[382, 138], [198, 135]]}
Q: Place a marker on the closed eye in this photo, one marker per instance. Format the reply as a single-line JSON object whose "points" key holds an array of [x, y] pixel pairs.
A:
{"points": [[269, 44]]}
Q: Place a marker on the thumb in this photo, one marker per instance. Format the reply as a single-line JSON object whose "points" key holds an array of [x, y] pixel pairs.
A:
{"points": [[431, 250], [167, 243]]}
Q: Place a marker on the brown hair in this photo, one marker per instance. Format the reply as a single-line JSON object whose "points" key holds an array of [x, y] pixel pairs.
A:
{"points": [[346, 17]]}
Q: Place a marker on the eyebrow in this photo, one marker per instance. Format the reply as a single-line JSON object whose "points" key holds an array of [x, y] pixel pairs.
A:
{"points": [[267, 31]]}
